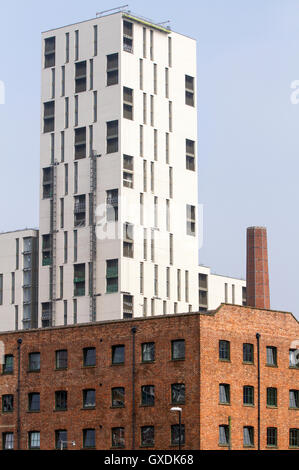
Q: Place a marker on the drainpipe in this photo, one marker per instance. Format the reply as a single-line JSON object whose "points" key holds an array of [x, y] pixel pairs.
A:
{"points": [[133, 330], [19, 397], [258, 393]]}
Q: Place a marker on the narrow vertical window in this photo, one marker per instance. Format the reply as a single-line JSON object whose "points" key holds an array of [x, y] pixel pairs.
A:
{"points": [[141, 141], [226, 293], [66, 179], [90, 141], [152, 177], [61, 213], [167, 147], [95, 40], [141, 74], [144, 175], [75, 177], [65, 249], [112, 136], [144, 244], [141, 278], [63, 80], [155, 79], [75, 311], [144, 108], [156, 280], [66, 113], [76, 110], [152, 245], [75, 245], [76, 45], [61, 281], [62, 145], [95, 106], [141, 209], [190, 155], [171, 182], [128, 36], [168, 282], [112, 69], [166, 83], [170, 52], [186, 286], [17, 253], [167, 215], [151, 44], [53, 84], [65, 312], [144, 43], [153, 307], [13, 286], [52, 148], [156, 212], [128, 103], [189, 92], [91, 74], [155, 144], [67, 47], [233, 293], [152, 111], [16, 317], [170, 116], [179, 284], [171, 249], [145, 307]]}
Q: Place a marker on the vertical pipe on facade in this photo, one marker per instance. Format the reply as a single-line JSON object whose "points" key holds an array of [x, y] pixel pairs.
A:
{"points": [[19, 396], [258, 392], [134, 330]]}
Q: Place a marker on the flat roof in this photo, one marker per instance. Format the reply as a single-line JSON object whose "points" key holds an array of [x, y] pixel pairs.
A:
{"points": [[20, 230]]}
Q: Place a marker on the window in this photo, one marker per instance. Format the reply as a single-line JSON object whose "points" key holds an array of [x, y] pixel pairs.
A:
{"points": [[34, 362], [152, 177], [151, 44], [171, 248], [81, 77], [95, 107], [168, 282], [128, 36], [178, 349], [272, 437], [224, 350], [248, 395], [145, 244], [271, 356], [34, 439], [224, 394], [61, 440], [128, 242], [76, 110], [294, 399], [89, 438], [61, 359], [128, 306], [89, 398], [89, 357], [272, 396], [166, 83], [148, 352], [179, 284], [49, 116], [144, 43], [118, 437], [127, 103], [118, 397], [7, 441], [294, 358], [111, 276], [148, 395], [8, 364], [128, 173], [155, 78], [294, 438], [67, 47], [112, 205], [61, 400], [80, 143], [118, 354], [178, 394], [190, 155], [248, 436], [191, 223], [175, 434], [224, 437], [170, 51], [170, 182], [34, 402], [7, 403], [66, 113], [112, 69], [189, 92], [76, 45], [46, 315], [141, 152], [147, 436], [155, 144], [95, 40], [79, 280], [112, 136], [141, 74], [156, 279], [248, 353], [170, 116], [80, 211], [50, 44]]}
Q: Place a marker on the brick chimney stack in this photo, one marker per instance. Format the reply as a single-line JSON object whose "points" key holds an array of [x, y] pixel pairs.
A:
{"points": [[257, 277]]}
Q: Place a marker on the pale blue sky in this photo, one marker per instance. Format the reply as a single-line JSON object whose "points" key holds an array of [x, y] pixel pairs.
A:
{"points": [[248, 55]]}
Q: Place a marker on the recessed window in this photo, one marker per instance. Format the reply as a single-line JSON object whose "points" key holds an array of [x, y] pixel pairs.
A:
{"points": [[272, 437], [112, 136], [118, 437], [294, 437], [89, 357], [7, 403], [191, 220], [112, 205], [81, 77], [189, 91], [61, 359], [271, 396], [178, 349], [118, 354], [175, 434], [294, 399], [34, 362], [148, 395], [89, 438], [294, 358], [147, 436], [128, 306], [224, 435], [61, 400], [248, 353], [34, 439], [271, 356], [127, 103], [112, 69], [89, 398], [148, 352], [111, 276], [34, 402], [248, 436], [224, 350], [224, 394], [190, 155], [8, 441], [118, 397], [49, 116], [80, 143], [61, 440], [47, 250], [128, 240], [8, 364], [50, 46], [177, 394], [79, 280], [248, 395], [128, 36], [128, 171]]}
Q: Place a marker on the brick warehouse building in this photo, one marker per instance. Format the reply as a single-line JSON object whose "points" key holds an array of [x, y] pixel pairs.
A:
{"points": [[79, 383]]}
